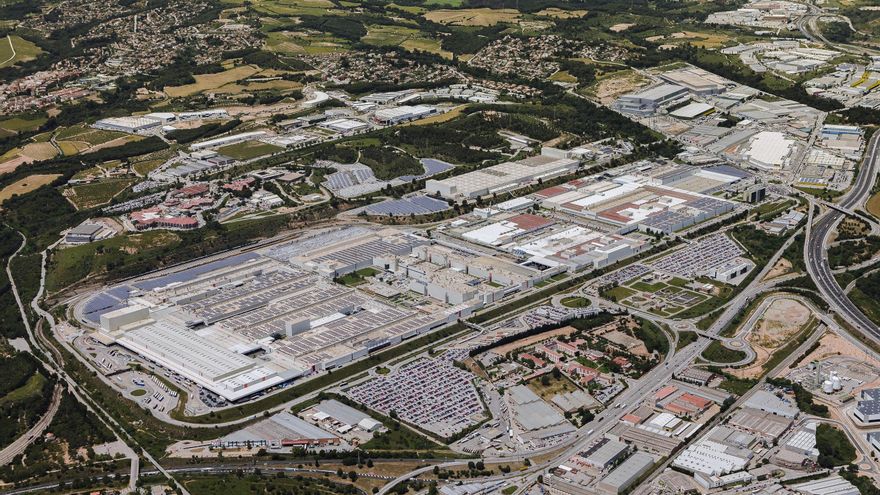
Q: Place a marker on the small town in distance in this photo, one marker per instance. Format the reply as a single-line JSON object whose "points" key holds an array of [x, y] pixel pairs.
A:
{"points": [[457, 247]]}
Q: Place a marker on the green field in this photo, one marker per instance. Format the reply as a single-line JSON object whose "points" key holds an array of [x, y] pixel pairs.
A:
{"points": [[14, 49], [24, 123], [30, 388], [575, 302], [72, 264], [138, 392], [248, 150]]}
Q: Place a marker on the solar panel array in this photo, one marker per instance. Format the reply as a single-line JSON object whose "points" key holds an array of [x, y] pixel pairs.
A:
{"points": [[432, 167], [266, 321], [417, 205], [195, 272], [256, 292], [369, 250]]}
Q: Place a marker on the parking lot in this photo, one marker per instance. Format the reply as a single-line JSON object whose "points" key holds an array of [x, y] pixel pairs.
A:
{"points": [[431, 393]]}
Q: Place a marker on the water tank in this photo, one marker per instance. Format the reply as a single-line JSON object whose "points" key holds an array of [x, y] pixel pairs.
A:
{"points": [[835, 382], [827, 387]]}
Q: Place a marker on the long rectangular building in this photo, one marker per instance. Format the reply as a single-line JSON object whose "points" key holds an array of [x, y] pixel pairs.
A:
{"points": [[499, 178]]}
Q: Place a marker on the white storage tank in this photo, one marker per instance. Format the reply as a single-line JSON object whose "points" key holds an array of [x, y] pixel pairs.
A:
{"points": [[827, 387]]}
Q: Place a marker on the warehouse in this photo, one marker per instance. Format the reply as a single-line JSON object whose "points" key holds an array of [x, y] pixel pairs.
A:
{"points": [[697, 80], [832, 485], [603, 454], [648, 101], [130, 125], [83, 233], [345, 126], [626, 474], [692, 110], [499, 178], [405, 113], [771, 403], [279, 431], [769, 150], [766, 425], [227, 140], [341, 416]]}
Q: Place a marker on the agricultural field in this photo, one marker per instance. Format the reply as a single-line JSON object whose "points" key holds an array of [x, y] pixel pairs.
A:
{"points": [[210, 82], [473, 17], [14, 49], [28, 153], [26, 185], [285, 8], [87, 196], [248, 150], [23, 123], [404, 37], [293, 43], [79, 138]]}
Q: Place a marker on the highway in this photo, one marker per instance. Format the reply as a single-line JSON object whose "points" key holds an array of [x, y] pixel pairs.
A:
{"points": [[815, 252], [21, 443]]}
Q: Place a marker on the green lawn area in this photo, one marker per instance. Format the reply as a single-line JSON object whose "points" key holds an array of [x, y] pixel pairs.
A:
{"points": [[72, 264], [618, 293], [685, 339], [139, 392], [23, 123], [31, 387], [248, 150], [717, 353], [575, 302], [548, 385], [356, 278], [23, 51], [87, 196]]}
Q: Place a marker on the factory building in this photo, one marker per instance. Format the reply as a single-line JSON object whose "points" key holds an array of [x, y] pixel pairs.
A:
{"points": [[83, 233], [130, 125], [648, 101], [227, 140], [405, 113], [696, 80], [771, 403], [769, 150], [626, 474], [868, 407], [832, 485], [279, 431], [500, 178], [603, 454]]}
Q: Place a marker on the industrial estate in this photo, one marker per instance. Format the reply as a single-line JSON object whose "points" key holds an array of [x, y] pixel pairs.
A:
{"points": [[440, 247]]}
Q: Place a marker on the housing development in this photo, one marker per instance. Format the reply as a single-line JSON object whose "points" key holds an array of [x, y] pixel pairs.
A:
{"points": [[458, 247]]}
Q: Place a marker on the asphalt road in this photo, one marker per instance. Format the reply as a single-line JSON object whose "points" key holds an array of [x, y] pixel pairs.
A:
{"points": [[815, 252]]}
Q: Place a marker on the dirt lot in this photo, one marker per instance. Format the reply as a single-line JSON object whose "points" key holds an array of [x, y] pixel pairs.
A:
{"points": [[781, 267], [608, 89], [782, 320], [504, 349], [832, 344]]}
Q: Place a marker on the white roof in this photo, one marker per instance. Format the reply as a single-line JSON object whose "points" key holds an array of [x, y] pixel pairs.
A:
{"points": [[692, 110], [769, 148]]}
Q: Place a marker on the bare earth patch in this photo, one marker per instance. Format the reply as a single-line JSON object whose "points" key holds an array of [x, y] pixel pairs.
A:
{"points": [[781, 321]]}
